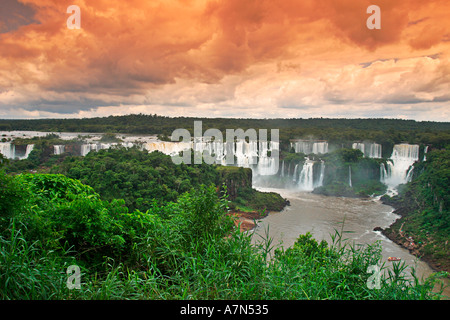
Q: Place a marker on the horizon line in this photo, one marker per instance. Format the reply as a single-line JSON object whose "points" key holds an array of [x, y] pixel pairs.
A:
{"points": [[225, 118]]}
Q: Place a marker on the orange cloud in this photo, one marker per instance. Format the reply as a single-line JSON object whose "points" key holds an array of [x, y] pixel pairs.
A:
{"points": [[132, 51]]}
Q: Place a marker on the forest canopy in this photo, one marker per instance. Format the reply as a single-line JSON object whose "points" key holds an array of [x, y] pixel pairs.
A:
{"points": [[334, 130]]}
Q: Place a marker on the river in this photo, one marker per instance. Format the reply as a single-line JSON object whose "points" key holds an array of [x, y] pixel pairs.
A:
{"points": [[322, 215]]}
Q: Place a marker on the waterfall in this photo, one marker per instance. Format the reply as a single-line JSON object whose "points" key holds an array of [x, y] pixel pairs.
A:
{"points": [[322, 174], [369, 149], [252, 154], [102, 146], [359, 146], [320, 147], [273, 163], [301, 147], [59, 149], [282, 169], [306, 178], [295, 173], [425, 151], [350, 176], [86, 148], [172, 148], [374, 151], [30, 148], [409, 174], [266, 166], [241, 158], [128, 144], [383, 173], [7, 150], [400, 168], [308, 146]]}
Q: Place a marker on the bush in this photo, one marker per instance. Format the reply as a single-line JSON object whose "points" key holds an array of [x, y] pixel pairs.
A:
{"points": [[64, 213], [182, 250], [12, 196]]}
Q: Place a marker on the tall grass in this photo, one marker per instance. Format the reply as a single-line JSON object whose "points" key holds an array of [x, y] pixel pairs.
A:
{"points": [[219, 268], [27, 271]]}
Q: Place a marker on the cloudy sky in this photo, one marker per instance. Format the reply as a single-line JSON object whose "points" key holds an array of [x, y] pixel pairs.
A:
{"points": [[225, 58]]}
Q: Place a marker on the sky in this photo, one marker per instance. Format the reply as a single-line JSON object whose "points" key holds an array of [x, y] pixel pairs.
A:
{"points": [[225, 58]]}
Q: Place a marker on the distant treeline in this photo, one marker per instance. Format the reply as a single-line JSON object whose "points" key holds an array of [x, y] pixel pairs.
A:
{"points": [[142, 123], [333, 130]]}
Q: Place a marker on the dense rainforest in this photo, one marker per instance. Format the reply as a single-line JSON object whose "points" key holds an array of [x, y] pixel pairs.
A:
{"points": [[188, 249], [141, 227], [383, 131]]}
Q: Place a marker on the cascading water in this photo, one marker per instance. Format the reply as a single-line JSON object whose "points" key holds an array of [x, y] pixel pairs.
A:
{"points": [[267, 165], [102, 146], [170, 148], [374, 151], [307, 180], [350, 176], [307, 146], [383, 173], [358, 145], [320, 147], [86, 148], [322, 174], [409, 174], [295, 173], [59, 149], [369, 149], [301, 147], [425, 151], [30, 148], [246, 154], [399, 169], [7, 150], [128, 144]]}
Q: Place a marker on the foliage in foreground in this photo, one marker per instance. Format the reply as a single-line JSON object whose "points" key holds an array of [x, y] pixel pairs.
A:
{"points": [[140, 178], [183, 250]]}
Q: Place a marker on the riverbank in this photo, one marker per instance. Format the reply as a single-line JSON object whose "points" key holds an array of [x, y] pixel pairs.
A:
{"points": [[415, 243], [322, 215], [406, 231], [252, 204], [422, 228], [247, 221]]}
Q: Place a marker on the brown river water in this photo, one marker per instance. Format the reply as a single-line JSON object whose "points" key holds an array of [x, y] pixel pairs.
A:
{"points": [[322, 215]]}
